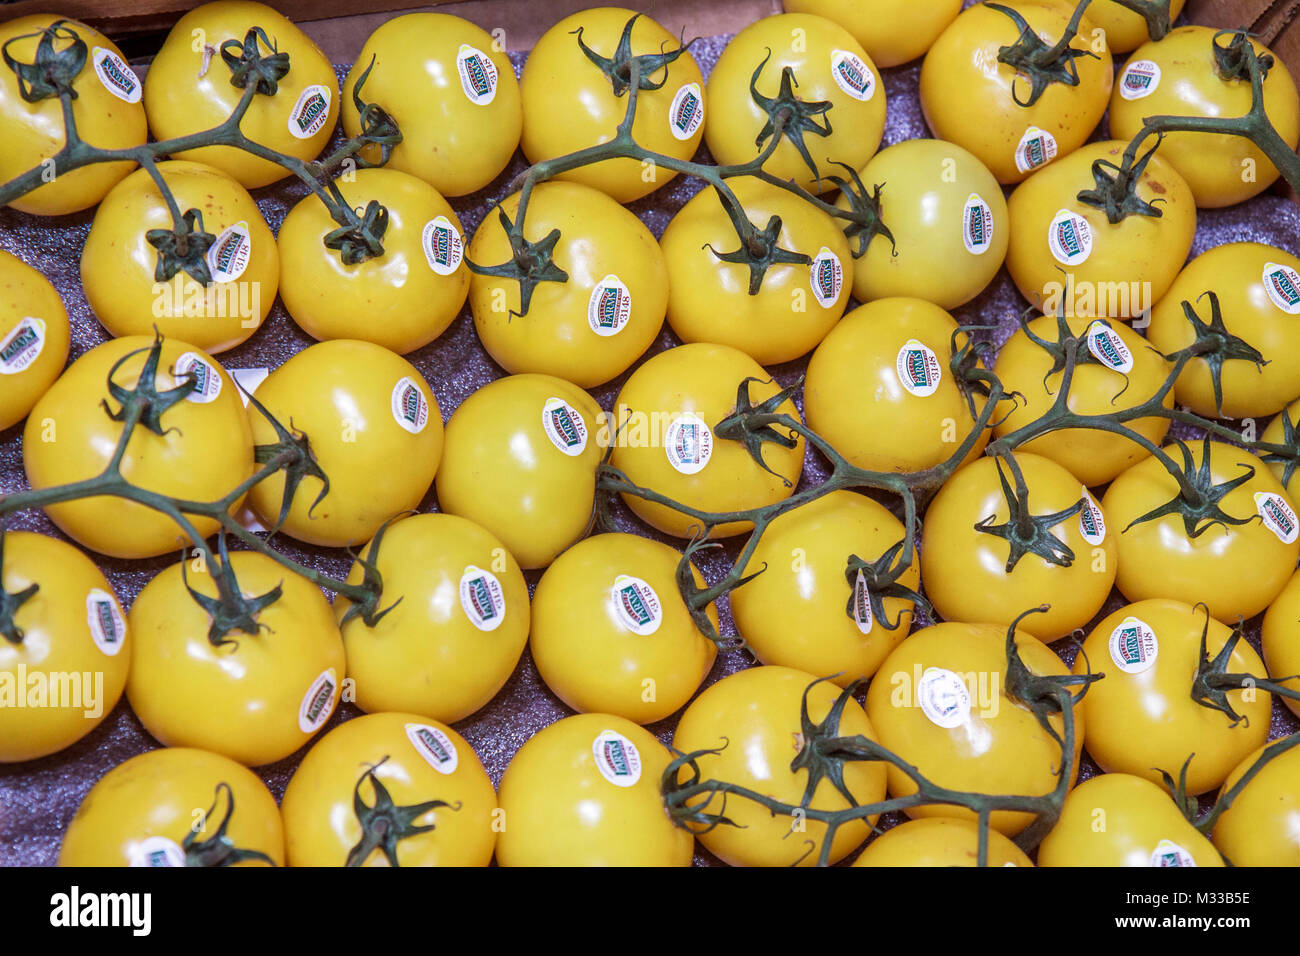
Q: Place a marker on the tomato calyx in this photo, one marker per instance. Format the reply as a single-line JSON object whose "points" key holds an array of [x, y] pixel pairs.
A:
{"points": [[250, 67], [789, 116], [1115, 192], [760, 249], [697, 599], [1067, 348], [182, 247], [1212, 682], [1154, 12], [11, 602], [969, 363], [878, 581], [1231, 61], [143, 404], [292, 454], [1197, 501], [751, 425], [1041, 64], [231, 610], [218, 849], [372, 582], [530, 263], [1043, 694], [618, 68], [357, 238], [378, 128], [385, 824], [1025, 532], [863, 215], [1214, 344], [53, 71], [1285, 453], [824, 751]]}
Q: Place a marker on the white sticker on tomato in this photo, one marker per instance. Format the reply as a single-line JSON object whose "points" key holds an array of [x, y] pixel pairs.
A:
{"points": [[617, 758], [443, 246], [1070, 238], [157, 851], [22, 346], [564, 426], [1092, 524], [106, 621], [1108, 348], [478, 74], [1277, 515], [1283, 286], [1037, 147], [862, 615], [1133, 646], [310, 112], [944, 697], [410, 407], [1139, 79], [918, 368], [481, 598], [207, 379], [434, 746], [318, 703], [609, 307], [1169, 853], [687, 111], [228, 257], [826, 276], [852, 75], [637, 605], [977, 225], [688, 443], [118, 78]]}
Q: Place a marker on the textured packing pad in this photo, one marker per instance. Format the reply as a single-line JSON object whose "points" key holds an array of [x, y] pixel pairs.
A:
{"points": [[38, 798]]}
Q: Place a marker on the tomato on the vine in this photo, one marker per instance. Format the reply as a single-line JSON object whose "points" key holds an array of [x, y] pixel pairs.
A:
{"points": [[105, 105], [200, 450], [575, 95], [810, 70], [891, 31], [34, 337], [118, 262], [939, 841], [71, 631], [1259, 827], [454, 619], [339, 806], [589, 326], [192, 86]]}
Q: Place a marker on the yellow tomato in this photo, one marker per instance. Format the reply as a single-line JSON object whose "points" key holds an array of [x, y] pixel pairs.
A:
{"points": [[255, 698], [1125, 29], [571, 103], [1275, 434], [33, 338], [970, 97], [1280, 639], [891, 31], [64, 652], [1179, 76], [585, 792], [118, 261], [805, 610], [344, 803], [590, 327], [754, 716], [374, 428], [457, 633], [204, 451], [520, 461], [828, 66], [939, 702], [665, 438], [1261, 827], [451, 89], [176, 807], [190, 87], [611, 633], [1143, 717], [880, 388], [942, 208], [106, 108], [937, 841], [1119, 820], [1115, 370]]}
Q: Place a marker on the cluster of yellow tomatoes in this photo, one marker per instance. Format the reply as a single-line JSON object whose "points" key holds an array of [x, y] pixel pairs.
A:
{"points": [[611, 626]]}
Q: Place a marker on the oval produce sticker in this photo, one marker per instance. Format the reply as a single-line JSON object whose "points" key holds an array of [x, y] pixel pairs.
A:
{"points": [[617, 758], [434, 746], [977, 225], [1133, 646], [918, 368], [478, 75], [1139, 79], [944, 697], [564, 426], [1037, 147], [688, 443], [686, 114], [310, 112], [481, 598], [22, 346], [637, 605], [443, 247]]}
